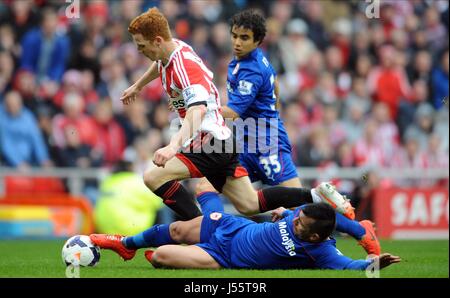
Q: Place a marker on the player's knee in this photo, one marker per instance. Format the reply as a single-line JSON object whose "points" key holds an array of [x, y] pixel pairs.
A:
{"points": [[176, 232], [204, 186], [246, 209], [160, 258], [152, 179]]}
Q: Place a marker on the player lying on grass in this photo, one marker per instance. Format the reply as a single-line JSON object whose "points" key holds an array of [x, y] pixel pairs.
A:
{"points": [[298, 239]]}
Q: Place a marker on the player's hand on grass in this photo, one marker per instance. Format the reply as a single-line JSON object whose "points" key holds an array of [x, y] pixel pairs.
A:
{"points": [[387, 259], [277, 213], [163, 155], [130, 94]]}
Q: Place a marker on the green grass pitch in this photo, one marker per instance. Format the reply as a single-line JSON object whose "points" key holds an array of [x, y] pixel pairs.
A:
{"points": [[43, 259]]}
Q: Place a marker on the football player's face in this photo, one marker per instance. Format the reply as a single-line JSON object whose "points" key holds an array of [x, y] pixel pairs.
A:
{"points": [[146, 48], [242, 41], [301, 227]]}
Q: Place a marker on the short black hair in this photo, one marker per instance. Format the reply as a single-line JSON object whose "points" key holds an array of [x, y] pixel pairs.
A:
{"points": [[324, 219], [250, 19]]}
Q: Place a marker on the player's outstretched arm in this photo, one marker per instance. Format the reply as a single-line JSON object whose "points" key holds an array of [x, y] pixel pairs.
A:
{"points": [[130, 94]]}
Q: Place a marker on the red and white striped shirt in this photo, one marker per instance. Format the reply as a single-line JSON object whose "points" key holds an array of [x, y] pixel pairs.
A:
{"points": [[187, 81]]}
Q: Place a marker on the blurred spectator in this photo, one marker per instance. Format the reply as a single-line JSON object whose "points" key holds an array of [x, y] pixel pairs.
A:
{"points": [[326, 89], [435, 31], [363, 66], [113, 83], [387, 83], [357, 96], [421, 68], [22, 16], [317, 149], [134, 121], [6, 71], [354, 121], [25, 83], [335, 65], [76, 154], [271, 44], [311, 111], [335, 128], [96, 17], [21, 140], [310, 74], [419, 94], [441, 127], [360, 47], [436, 156], [82, 83], [296, 48], [71, 83], [142, 150], [439, 81], [85, 58], [341, 35], [387, 132], [110, 136], [8, 42], [73, 115], [220, 40], [44, 116], [422, 127], [314, 18], [45, 51], [367, 151], [410, 156], [130, 57]]}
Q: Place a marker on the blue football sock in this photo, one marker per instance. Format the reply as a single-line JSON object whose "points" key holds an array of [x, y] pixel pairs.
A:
{"points": [[351, 227], [210, 202], [155, 236]]}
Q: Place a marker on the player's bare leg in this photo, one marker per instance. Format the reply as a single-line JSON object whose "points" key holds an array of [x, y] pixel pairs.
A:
{"points": [[174, 169], [203, 185], [242, 195], [186, 232], [177, 256]]}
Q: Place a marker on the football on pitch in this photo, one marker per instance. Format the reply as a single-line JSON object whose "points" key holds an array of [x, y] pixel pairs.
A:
{"points": [[80, 251]]}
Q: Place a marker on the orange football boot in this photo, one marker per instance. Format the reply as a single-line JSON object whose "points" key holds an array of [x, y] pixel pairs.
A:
{"points": [[114, 243], [370, 241]]}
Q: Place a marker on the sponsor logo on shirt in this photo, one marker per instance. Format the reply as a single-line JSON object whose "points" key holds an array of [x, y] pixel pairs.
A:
{"points": [[215, 216], [287, 242], [229, 87], [188, 93], [245, 87]]}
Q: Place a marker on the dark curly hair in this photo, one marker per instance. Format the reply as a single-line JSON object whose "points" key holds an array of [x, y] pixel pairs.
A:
{"points": [[324, 219], [250, 19]]}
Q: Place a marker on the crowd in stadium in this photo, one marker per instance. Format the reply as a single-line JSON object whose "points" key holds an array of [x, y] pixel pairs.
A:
{"points": [[355, 91]]}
